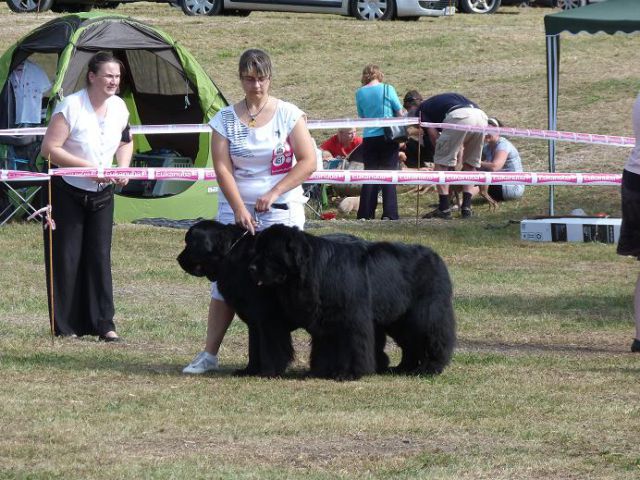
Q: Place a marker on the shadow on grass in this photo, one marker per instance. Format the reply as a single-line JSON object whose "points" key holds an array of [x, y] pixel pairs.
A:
{"points": [[115, 361]]}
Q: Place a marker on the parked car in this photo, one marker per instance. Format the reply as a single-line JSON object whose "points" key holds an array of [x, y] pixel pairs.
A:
{"points": [[361, 9]]}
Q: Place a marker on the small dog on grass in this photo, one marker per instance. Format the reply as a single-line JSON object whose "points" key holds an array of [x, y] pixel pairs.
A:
{"points": [[348, 205]]}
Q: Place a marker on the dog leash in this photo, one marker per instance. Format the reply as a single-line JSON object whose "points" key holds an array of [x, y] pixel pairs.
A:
{"points": [[279, 206]]}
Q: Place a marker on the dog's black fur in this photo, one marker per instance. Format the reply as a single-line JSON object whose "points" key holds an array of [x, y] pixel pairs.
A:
{"points": [[348, 293], [222, 253]]}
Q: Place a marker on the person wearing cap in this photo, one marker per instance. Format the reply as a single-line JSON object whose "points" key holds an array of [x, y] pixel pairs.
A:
{"points": [[499, 155], [459, 110], [629, 241]]}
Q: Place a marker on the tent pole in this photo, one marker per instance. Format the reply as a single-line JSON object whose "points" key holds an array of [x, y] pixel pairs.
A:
{"points": [[553, 44]]}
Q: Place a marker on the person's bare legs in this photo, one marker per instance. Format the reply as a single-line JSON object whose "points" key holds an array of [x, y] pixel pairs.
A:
{"points": [[442, 188], [218, 321]]}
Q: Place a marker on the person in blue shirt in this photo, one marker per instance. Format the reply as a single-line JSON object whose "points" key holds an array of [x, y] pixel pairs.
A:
{"points": [[376, 99], [499, 155]]}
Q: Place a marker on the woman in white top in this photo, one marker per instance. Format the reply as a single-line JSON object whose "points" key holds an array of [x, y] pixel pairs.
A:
{"points": [[87, 129], [262, 153]]}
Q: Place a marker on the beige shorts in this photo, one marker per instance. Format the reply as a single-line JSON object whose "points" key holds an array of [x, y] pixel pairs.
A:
{"points": [[450, 141]]}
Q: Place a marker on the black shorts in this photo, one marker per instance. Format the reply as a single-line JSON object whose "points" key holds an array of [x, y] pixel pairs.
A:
{"points": [[629, 241]]}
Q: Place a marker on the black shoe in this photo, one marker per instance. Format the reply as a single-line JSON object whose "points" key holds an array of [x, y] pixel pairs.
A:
{"points": [[635, 346], [466, 212], [437, 213]]}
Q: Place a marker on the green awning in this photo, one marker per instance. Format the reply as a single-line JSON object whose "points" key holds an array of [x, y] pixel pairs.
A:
{"points": [[610, 17]]}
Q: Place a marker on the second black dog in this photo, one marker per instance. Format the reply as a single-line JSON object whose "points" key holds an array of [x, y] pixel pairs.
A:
{"points": [[343, 290]]}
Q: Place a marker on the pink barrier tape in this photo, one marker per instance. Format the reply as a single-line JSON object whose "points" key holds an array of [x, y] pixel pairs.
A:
{"points": [[361, 122], [592, 138], [363, 176], [21, 175], [612, 140], [183, 128], [20, 132]]}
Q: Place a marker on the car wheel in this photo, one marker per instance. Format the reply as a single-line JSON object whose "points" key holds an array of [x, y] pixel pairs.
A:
{"points": [[567, 4], [29, 6], [201, 7], [373, 9], [479, 6]]}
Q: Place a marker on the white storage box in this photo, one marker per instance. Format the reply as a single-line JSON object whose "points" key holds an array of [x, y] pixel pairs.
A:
{"points": [[571, 229]]}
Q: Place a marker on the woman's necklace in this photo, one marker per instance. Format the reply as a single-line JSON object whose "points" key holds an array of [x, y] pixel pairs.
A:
{"points": [[252, 122]]}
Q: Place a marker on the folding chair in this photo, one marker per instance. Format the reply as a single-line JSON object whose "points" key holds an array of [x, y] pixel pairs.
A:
{"points": [[317, 192], [18, 196]]}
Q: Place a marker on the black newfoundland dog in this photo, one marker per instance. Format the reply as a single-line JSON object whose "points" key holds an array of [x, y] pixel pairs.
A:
{"points": [[350, 294], [221, 253]]}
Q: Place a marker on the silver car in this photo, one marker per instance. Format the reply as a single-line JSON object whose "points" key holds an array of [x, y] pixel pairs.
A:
{"points": [[361, 9]]}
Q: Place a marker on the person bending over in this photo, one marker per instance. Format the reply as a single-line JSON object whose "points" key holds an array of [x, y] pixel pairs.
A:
{"points": [[459, 110]]}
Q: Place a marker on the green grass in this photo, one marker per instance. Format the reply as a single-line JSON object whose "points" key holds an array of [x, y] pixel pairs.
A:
{"points": [[541, 384]]}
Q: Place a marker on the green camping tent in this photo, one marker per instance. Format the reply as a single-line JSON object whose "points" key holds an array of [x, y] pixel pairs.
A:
{"points": [[163, 84], [609, 17]]}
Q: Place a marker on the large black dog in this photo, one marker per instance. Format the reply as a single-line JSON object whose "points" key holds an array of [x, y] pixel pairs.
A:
{"points": [[347, 293], [222, 253]]}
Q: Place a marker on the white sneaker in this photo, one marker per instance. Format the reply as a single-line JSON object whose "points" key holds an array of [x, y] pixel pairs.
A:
{"points": [[204, 362]]}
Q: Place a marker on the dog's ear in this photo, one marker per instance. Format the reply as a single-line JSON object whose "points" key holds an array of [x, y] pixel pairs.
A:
{"points": [[300, 249]]}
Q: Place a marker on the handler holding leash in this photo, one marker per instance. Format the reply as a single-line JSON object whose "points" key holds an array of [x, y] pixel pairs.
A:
{"points": [[629, 242], [86, 130], [262, 153]]}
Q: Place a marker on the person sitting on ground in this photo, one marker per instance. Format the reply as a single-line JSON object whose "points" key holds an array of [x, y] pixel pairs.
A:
{"points": [[499, 155], [341, 144]]}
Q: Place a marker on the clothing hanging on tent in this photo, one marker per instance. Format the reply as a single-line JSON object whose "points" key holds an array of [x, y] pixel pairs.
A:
{"points": [[29, 82]]}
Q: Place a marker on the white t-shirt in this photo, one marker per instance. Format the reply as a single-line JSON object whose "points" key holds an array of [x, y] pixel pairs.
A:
{"points": [[261, 156], [633, 163], [90, 137], [29, 84]]}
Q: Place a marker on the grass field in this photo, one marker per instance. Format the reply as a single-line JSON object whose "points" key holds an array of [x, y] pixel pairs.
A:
{"points": [[542, 384]]}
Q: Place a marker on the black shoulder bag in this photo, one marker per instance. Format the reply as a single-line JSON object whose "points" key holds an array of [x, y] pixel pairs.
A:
{"points": [[393, 133]]}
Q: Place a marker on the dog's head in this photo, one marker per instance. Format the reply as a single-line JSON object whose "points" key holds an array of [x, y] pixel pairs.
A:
{"points": [[281, 254], [207, 243]]}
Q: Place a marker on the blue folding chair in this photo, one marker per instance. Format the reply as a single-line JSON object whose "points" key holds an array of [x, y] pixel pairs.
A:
{"points": [[16, 198]]}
